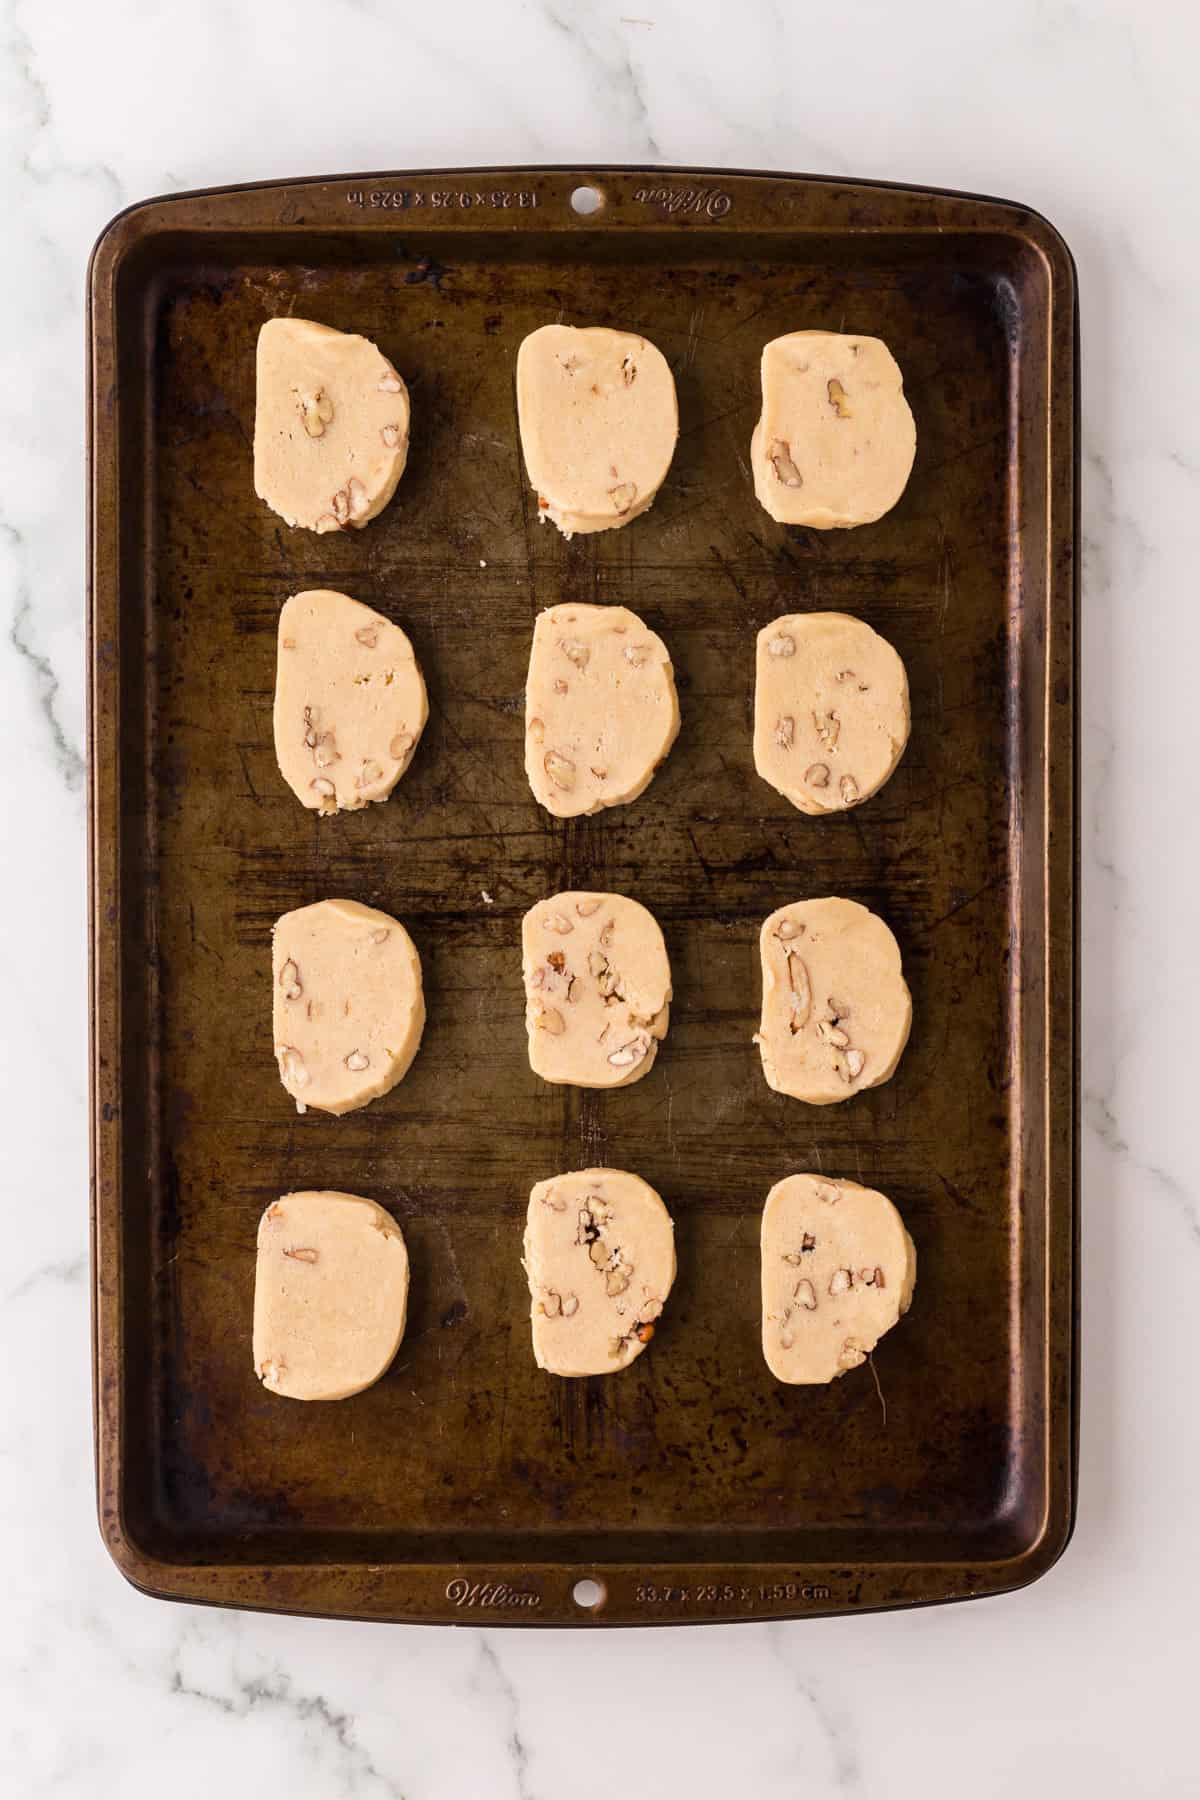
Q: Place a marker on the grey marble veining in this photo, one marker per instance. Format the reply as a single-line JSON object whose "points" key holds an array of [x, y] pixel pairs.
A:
{"points": [[1080, 1684]]}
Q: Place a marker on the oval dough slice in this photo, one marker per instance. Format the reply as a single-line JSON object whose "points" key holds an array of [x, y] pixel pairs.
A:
{"points": [[330, 425], [836, 1010], [838, 1270], [597, 989], [601, 710], [349, 1009], [350, 702], [835, 440], [330, 1295], [830, 710], [599, 420], [600, 1258]]}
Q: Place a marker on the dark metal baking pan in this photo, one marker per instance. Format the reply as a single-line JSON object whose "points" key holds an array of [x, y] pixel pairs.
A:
{"points": [[467, 1483]]}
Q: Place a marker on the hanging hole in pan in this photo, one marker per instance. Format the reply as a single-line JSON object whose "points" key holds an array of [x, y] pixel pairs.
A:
{"points": [[590, 1595], [586, 200]]}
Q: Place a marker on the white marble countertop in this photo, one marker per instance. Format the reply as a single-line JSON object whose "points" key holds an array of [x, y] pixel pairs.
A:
{"points": [[1084, 1682]]}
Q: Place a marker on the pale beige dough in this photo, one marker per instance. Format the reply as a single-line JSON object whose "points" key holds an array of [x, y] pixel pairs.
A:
{"points": [[330, 1295], [330, 425], [598, 420], [835, 440], [597, 989], [350, 702], [830, 710], [600, 1258], [835, 1008], [838, 1270], [601, 710], [349, 1009]]}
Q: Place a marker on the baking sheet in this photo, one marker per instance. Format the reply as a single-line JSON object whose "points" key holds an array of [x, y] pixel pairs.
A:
{"points": [[693, 1486]]}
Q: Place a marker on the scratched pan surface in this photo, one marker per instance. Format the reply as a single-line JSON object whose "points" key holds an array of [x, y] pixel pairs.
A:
{"points": [[693, 1486]]}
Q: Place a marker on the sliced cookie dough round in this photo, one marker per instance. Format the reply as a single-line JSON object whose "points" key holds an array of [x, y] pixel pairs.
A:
{"points": [[831, 712], [598, 419], [601, 711], [597, 989], [838, 1270], [330, 1295], [600, 1258], [835, 440], [836, 1010], [330, 425], [349, 1008], [350, 701]]}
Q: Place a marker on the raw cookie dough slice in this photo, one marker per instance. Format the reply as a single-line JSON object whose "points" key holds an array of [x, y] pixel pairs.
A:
{"points": [[838, 1270], [598, 420], [330, 425], [330, 1295], [600, 1257], [835, 440], [349, 1009], [601, 710], [597, 989], [835, 1008], [350, 701], [830, 710]]}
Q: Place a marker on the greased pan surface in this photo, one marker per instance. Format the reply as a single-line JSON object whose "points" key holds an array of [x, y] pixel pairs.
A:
{"points": [[692, 1486]]}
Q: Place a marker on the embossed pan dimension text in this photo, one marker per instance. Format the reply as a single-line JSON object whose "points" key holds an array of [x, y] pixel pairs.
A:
{"points": [[466, 1484]]}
